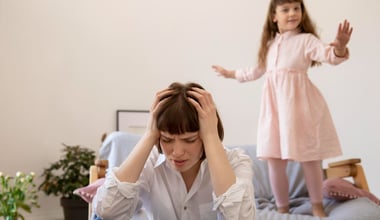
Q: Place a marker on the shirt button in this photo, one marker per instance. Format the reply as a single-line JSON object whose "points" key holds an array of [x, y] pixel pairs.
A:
{"points": [[185, 207]]}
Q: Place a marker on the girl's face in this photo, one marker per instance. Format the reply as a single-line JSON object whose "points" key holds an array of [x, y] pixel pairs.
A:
{"points": [[183, 151], [288, 16]]}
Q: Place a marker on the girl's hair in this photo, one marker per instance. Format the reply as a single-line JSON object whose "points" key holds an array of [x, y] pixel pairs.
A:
{"points": [[177, 115], [270, 29]]}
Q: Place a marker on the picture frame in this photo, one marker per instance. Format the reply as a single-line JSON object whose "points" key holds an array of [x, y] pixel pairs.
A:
{"points": [[133, 121]]}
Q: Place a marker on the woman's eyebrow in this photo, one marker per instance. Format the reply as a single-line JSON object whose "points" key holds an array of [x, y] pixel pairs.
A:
{"points": [[191, 137], [166, 137]]}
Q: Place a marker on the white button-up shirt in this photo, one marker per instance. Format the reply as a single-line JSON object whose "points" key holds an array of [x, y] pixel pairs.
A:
{"points": [[161, 191]]}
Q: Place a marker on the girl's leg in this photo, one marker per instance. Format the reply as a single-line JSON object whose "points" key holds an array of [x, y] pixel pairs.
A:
{"points": [[314, 178], [279, 183]]}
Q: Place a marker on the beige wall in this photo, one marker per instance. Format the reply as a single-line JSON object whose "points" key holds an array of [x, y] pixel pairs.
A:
{"points": [[67, 65]]}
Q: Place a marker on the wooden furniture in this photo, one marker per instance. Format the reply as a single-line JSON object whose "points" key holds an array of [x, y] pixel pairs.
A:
{"points": [[97, 171], [350, 168]]}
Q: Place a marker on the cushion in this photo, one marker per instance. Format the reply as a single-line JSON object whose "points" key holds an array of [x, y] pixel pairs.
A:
{"points": [[261, 182], [116, 147], [343, 190], [88, 192]]}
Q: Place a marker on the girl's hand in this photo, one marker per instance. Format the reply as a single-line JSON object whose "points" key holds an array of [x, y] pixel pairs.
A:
{"points": [[205, 106], [342, 38], [223, 72]]}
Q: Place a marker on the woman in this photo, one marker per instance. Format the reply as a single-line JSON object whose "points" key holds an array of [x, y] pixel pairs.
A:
{"points": [[189, 174]]}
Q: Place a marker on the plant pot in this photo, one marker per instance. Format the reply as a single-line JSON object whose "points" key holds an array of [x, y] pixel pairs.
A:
{"points": [[74, 209], [10, 218]]}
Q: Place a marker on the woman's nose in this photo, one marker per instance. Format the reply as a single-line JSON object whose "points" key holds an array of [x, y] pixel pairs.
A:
{"points": [[178, 150]]}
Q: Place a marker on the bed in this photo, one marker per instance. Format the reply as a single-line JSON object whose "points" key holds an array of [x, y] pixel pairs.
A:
{"points": [[118, 144], [342, 202]]}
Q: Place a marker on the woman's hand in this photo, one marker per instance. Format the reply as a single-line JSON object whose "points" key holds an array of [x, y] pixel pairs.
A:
{"points": [[160, 98], [343, 36], [204, 103]]}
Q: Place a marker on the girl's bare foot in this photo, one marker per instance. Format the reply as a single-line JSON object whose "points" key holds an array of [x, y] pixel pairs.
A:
{"points": [[318, 210], [284, 209]]}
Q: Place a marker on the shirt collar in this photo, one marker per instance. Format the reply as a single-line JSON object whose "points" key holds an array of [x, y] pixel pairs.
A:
{"points": [[288, 34], [162, 159]]}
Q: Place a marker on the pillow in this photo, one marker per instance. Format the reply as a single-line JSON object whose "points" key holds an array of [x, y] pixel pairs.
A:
{"points": [[343, 190], [115, 148], [88, 192]]}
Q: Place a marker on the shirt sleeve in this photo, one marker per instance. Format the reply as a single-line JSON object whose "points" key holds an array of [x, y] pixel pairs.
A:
{"points": [[116, 200], [248, 74], [238, 202], [321, 52]]}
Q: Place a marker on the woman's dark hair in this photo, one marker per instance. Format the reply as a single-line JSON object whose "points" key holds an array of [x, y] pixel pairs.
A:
{"points": [[177, 115]]}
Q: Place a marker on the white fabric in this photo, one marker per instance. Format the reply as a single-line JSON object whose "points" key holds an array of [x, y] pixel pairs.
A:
{"points": [[163, 194]]}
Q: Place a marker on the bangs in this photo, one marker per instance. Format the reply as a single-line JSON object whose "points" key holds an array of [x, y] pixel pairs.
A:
{"points": [[178, 116], [280, 2]]}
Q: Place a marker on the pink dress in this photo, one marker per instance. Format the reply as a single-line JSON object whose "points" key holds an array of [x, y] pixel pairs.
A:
{"points": [[294, 122]]}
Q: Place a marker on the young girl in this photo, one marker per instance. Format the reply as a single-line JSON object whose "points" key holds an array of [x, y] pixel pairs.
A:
{"points": [[180, 169], [294, 122]]}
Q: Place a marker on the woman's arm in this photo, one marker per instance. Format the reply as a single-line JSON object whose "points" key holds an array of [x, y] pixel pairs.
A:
{"points": [[231, 174], [119, 196], [130, 170], [222, 174]]}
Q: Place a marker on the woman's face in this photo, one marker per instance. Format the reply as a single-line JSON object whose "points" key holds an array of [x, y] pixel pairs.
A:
{"points": [[183, 151]]}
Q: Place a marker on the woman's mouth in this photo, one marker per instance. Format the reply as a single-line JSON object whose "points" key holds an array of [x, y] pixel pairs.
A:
{"points": [[179, 163]]}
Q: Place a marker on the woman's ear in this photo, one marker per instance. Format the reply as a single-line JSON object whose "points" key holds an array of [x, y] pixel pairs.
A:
{"points": [[158, 145]]}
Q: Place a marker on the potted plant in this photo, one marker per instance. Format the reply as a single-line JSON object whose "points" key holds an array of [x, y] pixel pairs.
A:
{"points": [[16, 193], [70, 172]]}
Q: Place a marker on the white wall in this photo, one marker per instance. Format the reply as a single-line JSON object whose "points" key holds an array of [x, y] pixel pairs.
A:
{"points": [[66, 66]]}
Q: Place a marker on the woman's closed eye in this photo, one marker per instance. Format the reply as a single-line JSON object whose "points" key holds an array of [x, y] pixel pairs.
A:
{"points": [[191, 140], [166, 140], [186, 140]]}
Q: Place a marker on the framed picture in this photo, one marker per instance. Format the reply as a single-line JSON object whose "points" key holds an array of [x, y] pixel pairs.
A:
{"points": [[133, 121]]}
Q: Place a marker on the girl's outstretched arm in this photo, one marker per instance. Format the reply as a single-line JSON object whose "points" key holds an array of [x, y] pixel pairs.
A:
{"points": [[224, 72], [343, 36]]}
